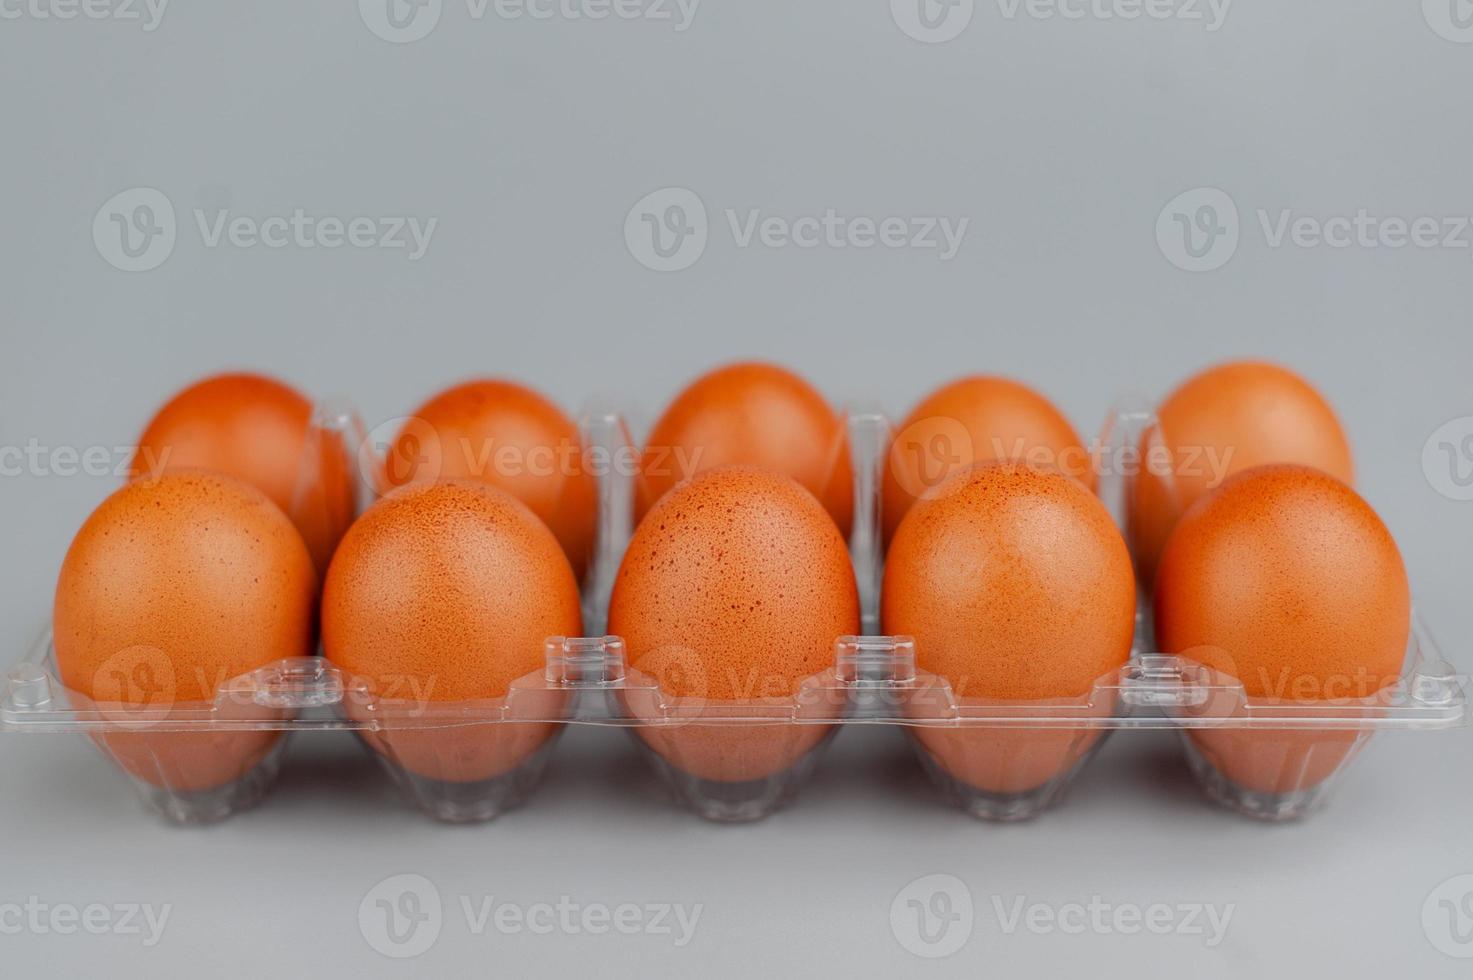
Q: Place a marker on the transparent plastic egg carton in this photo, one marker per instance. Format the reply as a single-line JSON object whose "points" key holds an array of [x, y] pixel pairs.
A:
{"points": [[734, 760]]}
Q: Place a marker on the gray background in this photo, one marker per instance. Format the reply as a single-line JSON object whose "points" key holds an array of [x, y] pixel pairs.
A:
{"points": [[530, 140]]}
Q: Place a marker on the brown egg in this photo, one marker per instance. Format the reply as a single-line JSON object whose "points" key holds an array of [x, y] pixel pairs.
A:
{"points": [[258, 430], [444, 593], [971, 420], [734, 589], [510, 437], [750, 415], [1287, 580], [1017, 586], [173, 586], [1229, 418]]}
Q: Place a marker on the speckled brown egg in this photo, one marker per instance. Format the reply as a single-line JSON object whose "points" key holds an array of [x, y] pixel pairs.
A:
{"points": [[447, 592], [1285, 579], [734, 588], [259, 430], [173, 586], [750, 414], [510, 437], [971, 420], [1017, 586], [1227, 419]]}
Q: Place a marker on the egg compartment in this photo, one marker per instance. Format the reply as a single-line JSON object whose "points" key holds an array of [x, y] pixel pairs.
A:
{"points": [[470, 761], [1010, 807], [464, 801], [733, 761], [587, 681], [874, 680], [1269, 758], [725, 760], [1009, 760], [189, 761], [1289, 759], [185, 806], [201, 761], [742, 800], [198, 761]]}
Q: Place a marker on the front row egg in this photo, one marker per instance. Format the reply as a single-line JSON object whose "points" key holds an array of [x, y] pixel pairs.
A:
{"points": [[173, 586], [734, 588], [442, 593], [1016, 585], [1287, 582]]}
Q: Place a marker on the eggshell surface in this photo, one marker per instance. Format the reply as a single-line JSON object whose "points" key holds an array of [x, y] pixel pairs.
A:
{"points": [[1288, 581], [1227, 419], [258, 430], [734, 588], [511, 437], [971, 420], [447, 592], [173, 586], [1016, 586], [750, 414]]}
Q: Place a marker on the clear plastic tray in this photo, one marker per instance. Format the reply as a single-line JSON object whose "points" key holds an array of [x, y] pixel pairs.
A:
{"points": [[736, 760]]}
